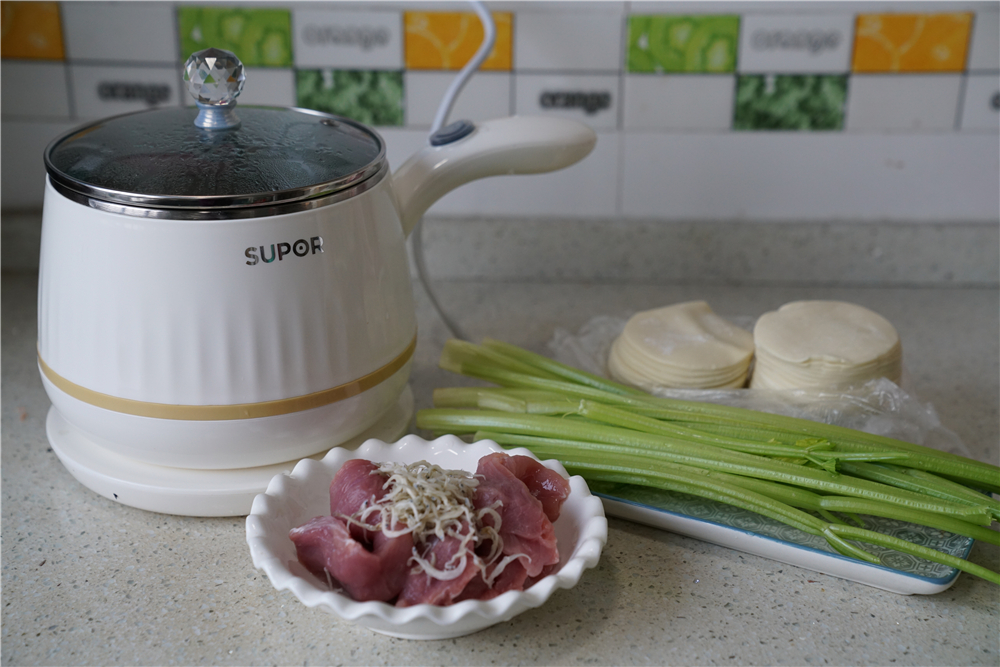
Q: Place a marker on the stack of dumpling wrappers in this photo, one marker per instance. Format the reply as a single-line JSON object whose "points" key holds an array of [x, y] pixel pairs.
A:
{"points": [[684, 346], [802, 345], [824, 345]]}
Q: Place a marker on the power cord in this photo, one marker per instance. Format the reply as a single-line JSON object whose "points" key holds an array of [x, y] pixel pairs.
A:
{"points": [[489, 39], [444, 109]]}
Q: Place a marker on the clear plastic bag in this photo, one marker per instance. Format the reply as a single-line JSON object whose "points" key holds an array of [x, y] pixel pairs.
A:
{"points": [[879, 407]]}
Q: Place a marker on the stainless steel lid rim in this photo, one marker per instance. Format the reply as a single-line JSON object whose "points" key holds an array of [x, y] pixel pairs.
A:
{"points": [[83, 193], [234, 212], [230, 412], [59, 174]]}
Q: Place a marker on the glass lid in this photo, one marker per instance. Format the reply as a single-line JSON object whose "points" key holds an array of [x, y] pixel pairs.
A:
{"points": [[211, 156]]}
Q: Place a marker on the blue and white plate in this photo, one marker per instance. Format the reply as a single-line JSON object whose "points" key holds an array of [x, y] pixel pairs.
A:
{"points": [[756, 534]]}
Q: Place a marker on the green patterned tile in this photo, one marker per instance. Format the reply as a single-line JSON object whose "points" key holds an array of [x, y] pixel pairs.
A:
{"points": [[683, 43], [372, 97], [790, 102], [259, 37]]}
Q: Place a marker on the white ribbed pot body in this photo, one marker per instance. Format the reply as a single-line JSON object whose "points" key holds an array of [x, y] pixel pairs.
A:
{"points": [[225, 343]]}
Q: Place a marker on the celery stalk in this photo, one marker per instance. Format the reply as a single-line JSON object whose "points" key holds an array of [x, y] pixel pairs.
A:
{"points": [[618, 440], [796, 471], [723, 488], [872, 537], [924, 458]]}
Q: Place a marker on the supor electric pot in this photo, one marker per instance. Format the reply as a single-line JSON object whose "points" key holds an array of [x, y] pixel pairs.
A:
{"points": [[224, 291]]}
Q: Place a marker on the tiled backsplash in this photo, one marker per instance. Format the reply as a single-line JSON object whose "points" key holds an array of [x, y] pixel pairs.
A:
{"points": [[845, 111]]}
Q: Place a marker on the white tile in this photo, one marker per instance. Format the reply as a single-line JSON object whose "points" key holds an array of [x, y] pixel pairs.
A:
{"points": [[128, 32], [902, 101], [797, 177], [981, 106], [486, 95], [401, 143], [22, 145], [265, 85], [587, 189], [100, 91], [592, 99], [34, 89], [584, 40], [602, 6], [348, 39], [679, 102], [493, 5], [984, 51], [783, 6], [795, 43]]}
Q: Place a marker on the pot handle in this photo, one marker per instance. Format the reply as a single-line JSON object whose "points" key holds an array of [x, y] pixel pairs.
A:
{"points": [[514, 145]]}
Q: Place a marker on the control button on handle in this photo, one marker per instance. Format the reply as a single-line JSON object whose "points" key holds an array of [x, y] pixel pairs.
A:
{"points": [[452, 133]]}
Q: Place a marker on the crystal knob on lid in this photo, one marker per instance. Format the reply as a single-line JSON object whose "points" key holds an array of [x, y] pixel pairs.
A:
{"points": [[215, 78]]}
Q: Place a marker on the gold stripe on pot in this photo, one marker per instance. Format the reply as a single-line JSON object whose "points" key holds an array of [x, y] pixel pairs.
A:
{"points": [[225, 412]]}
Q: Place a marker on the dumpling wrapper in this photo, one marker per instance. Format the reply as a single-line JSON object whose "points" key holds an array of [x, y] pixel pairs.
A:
{"points": [[623, 364], [817, 344], [683, 345]]}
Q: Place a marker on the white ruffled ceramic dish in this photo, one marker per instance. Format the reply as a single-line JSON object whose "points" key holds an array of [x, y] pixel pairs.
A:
{"points": [[292, 499]]}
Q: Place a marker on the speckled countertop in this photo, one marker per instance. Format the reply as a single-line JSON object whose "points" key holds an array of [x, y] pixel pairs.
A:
{"points": [[88, 581]]}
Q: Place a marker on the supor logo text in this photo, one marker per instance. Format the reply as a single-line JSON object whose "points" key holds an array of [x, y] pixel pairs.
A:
{"points": [[277, 252]]}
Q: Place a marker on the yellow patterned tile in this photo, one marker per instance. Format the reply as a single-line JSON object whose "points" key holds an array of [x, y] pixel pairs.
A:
{"points": [[911, 42], [30, 30], [448, 40]]}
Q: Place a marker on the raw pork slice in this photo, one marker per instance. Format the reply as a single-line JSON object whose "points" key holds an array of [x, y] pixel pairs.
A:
{"points": [[511, 578], [325, 545], [421, 588], [525, 495], [524, 528], [355, 483], [548, 486]]}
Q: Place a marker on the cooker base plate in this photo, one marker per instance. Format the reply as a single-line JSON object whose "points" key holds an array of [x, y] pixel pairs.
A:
{"points": [[184, 491]]}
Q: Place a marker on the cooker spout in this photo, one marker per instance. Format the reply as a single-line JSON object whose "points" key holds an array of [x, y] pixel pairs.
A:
{"points": [[514, 145]]}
